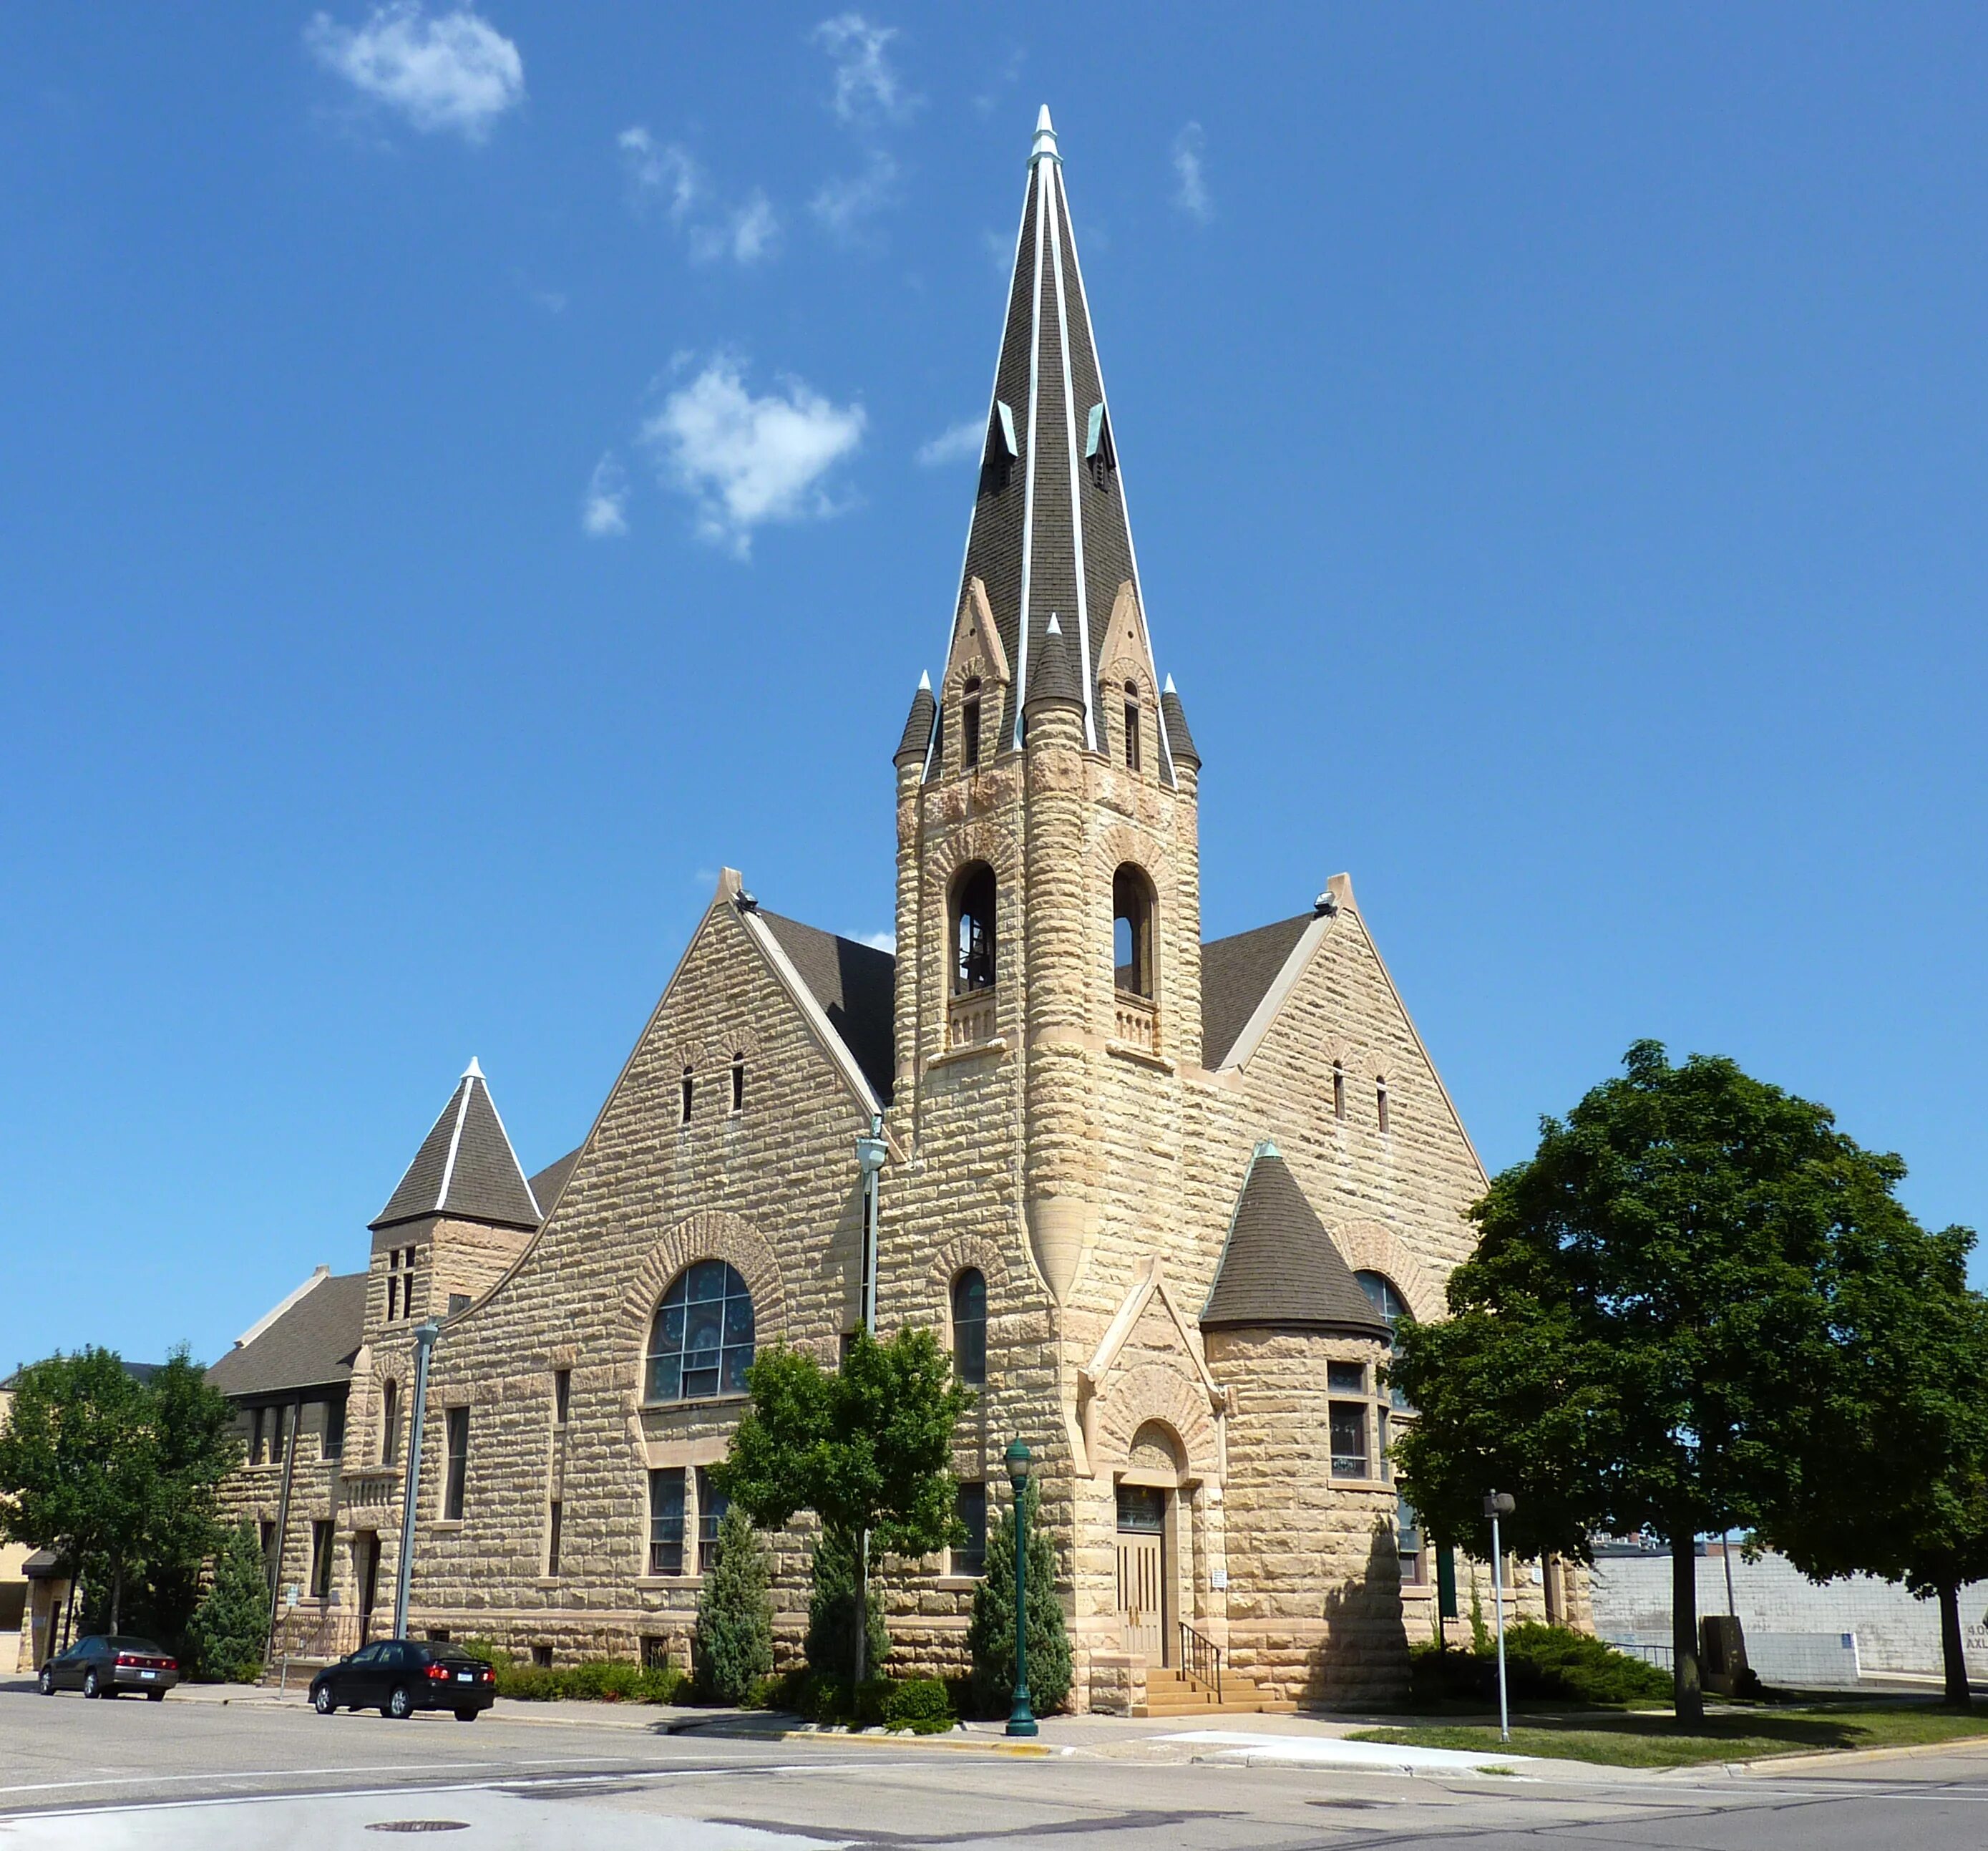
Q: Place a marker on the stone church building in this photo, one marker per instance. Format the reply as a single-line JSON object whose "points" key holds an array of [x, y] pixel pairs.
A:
{"points": [[1161, 1197]]}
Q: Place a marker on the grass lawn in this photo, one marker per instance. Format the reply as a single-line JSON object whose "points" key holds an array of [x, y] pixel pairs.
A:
{"points": [[1729, 1732]]}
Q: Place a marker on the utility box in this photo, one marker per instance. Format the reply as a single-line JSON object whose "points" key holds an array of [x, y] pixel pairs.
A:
{"points": [[1722, 1653]]}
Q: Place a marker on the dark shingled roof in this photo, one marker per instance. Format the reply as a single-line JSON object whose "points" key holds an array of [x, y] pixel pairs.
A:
{"points": [[856, 986], [1045, 339], [311, 1345], [465, 1167], [1280, 1266], [1179, 740], [1236, 974], [918, 724], [550, 1181], [1053, 681]]}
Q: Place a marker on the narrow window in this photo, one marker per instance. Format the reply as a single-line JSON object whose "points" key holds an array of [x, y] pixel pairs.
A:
{"points": [[969, 1326], [276, 1436], [970, 1506], [255, 1436], [320, 1570], [269, 1532], [711, 1508], [1408, 1542], [1131, 727], [739, 1082], [1347, 1418], [334, 1430], [666, 1520], [969, 723], [389, 1421], [458, 1463], [542, 1655], [1132, 931], [394, 1293], [1380, 1103], [557, 1511], [689, 1091], [561, 1394], [1339, 1091], [457, 1301], [973, 929]]}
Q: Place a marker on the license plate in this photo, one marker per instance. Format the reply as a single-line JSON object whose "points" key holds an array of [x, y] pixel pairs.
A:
{"points": [[148, 1674], [463, 1677]]}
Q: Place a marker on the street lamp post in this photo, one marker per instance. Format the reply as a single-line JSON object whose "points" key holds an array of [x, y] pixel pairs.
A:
{"points": [[1497, 1504], [1021, 1718], [871, 1152], [425, 1334]]}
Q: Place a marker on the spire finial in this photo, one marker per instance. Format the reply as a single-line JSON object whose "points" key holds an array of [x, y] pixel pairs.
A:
{"points": [[1055, 628], [472, 1071], [1045, 138], [924, 679]]}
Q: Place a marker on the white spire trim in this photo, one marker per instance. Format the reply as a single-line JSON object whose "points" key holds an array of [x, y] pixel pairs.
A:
{"points": [[1028, 483], [467, 1087], [1076, 498], [531, 1194]]}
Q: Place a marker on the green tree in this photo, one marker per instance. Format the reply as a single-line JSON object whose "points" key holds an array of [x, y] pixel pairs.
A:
{"points": [[1642, 1338], [232, 1624], [866, 1449], [733, 1647], [118, 1478], [990, 1635], [1897, 1483], [831, 1627]]}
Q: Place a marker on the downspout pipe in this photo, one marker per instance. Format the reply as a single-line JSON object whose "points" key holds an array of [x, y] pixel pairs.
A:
{"points": [[296, 1414], [425, 1342]]}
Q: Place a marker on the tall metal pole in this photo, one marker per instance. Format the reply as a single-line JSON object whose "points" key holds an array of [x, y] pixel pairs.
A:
{"points": [[424, 1341], [1499, 1503], [870, 1154], [1021, 1718]]}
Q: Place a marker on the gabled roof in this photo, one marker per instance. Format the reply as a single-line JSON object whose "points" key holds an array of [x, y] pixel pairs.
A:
{"points": [[1050, 531], [547, 1183], [1236, 973], [310, 1344], [856, 986], [1279, 1266], [465, 1167]]}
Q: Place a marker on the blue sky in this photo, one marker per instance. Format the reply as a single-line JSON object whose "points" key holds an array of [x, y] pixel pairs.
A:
{"points": [[465, 478]]}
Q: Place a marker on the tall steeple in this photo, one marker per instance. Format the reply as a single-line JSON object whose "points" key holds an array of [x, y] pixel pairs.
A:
{"points": [[1049, 535]]}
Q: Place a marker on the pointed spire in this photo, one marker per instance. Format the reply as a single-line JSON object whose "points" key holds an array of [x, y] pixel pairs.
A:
{"points": [[1180, 742], [918, 724], [465, 1167], [1054, 683], [1050, 531]]}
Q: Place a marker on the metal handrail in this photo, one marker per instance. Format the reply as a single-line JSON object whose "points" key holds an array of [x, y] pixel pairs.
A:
{"points": [[1201, 1659]]}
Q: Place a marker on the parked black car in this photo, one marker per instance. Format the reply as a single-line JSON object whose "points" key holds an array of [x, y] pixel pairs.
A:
{"points": [[401, 1676], [107, 1664]]}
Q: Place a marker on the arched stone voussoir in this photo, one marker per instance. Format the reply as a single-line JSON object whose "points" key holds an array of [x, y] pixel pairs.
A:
{"points": [[1154, 1391], [978, 841], [709, 1235], [1373, 1247], [959, 1253]]}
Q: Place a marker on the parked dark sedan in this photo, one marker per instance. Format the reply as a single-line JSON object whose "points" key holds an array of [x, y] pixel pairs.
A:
{"points": [[107, 1664], [401, 1676]]}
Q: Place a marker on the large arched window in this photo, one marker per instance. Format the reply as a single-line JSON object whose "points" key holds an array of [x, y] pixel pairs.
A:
{"points": [[1132, 930], [1386, 1298], [701, 1343], [973, 936], [969, 1325]]}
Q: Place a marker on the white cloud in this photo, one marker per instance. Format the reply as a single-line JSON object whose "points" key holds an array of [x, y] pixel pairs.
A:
{"points": [[665, 172], [665, 175], [866, 84], [604, 512], [880, 941], [842, 205], [745, 461], [746, 234], [963, 440], [1191, 191], [455, 72]]}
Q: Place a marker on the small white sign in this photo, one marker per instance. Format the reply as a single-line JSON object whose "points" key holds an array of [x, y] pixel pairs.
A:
{"points": [[1218, 1579]]}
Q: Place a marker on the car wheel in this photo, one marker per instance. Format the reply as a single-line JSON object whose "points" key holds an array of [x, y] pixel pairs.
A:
{"points": [[466, 1715], [47, 1685], [155, 1697], [399, 1705], [322, 1701], [90, 1686]]}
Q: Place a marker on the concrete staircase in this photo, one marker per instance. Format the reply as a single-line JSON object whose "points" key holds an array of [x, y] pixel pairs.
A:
{"points": [[1170, 1693]]}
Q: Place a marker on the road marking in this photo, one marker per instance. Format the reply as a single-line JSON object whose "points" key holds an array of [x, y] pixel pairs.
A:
{"points": [[383, 1767]]}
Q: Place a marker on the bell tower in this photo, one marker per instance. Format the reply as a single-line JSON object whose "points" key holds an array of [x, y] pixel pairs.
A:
{"points": [[1049, 917]]}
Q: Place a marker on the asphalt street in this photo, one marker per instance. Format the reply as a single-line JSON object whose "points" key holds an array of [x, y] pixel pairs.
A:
{"points": [[188, 1773]]}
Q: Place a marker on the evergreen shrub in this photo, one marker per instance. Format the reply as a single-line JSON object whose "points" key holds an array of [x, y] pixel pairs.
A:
{"points": [[990, 1636], [733, 1648], [231, 1626], [831, 1631]]}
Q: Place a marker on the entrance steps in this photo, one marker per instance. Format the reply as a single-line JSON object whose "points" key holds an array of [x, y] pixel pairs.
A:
{"points": [[1170, 1693]]}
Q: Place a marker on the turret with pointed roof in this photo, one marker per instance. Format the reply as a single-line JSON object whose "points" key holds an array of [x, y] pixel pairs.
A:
{"points": [[465, 1168]]}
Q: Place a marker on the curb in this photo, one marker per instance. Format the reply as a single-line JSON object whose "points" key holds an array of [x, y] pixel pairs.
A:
{"points": [[1841, 1758]]}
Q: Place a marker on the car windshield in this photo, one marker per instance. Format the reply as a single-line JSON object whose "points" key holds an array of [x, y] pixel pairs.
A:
{"points": [[451, 1655], [123, 1642]]}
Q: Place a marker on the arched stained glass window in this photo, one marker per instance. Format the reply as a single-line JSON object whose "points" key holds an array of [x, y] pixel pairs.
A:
{"points": [[701, 1343], [969, 1325], [1385, 1297]]}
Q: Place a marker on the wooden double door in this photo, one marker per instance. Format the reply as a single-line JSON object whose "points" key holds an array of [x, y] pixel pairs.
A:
{"points": [[1145, 1594]]}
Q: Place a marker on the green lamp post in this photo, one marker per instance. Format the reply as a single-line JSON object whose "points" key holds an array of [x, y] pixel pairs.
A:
{"points": [[1021, 1719]]}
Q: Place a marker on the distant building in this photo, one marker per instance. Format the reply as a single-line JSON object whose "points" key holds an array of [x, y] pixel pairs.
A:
{"points": [[1162, 1198]]}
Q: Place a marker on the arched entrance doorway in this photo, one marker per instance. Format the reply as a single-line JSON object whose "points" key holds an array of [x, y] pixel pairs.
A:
{"points": [[1147, 1499]]}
